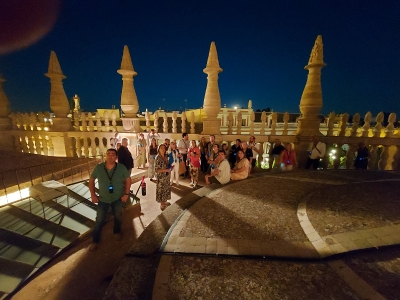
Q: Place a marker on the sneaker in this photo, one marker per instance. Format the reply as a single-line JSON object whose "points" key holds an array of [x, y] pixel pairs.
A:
{"points": [[93, 247], [117, 236], [191, 184]]}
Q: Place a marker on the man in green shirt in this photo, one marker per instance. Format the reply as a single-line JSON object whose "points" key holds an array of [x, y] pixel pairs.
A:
{"points": [[114, 184]]}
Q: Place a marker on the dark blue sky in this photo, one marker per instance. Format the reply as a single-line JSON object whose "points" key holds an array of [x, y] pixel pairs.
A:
{"points": [[262, 47]]}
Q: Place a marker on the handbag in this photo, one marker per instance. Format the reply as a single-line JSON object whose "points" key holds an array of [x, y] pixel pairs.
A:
{"points": [[182, 167]]}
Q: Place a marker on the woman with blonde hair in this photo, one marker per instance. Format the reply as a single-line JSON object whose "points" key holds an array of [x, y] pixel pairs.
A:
{"points": [[163, 173]]}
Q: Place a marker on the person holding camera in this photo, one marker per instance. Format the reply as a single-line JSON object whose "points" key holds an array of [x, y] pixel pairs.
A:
{"points": [[194, 163], [316, 153], [114, 184], [361, 162]]}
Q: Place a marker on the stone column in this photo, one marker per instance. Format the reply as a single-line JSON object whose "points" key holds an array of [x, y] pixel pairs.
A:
{"points": [[58, 99], [6, 142], [129, 101], [212, 99], [311, 100]]}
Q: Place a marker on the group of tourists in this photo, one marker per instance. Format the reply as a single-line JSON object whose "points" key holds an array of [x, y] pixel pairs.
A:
{"points": [[170, 160]]}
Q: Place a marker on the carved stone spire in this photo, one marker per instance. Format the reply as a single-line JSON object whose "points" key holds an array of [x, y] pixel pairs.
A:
{"points": [[58, 99], [129, 101], [212, 99], [311, 99]]}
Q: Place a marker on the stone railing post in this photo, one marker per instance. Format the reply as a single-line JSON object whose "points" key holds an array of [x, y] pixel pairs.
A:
{"points": [[147, 117], [83, 120], [230, 122], [263, 121], [390, 127], [252, 118], [98, 122], [165, 123], [285, 123], [378, 126], [174, 118], [192, 125], [273, 124], [356, 123], [331, 123], [91, 122], [183, 119], [366, 126], [343, 124], [156, 121], [239, 123], [106, 121]]}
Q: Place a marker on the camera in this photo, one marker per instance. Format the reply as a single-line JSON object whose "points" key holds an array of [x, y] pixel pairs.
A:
{"points": [[110, 189]]}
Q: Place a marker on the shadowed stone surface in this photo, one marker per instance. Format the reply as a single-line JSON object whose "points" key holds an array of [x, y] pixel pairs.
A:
{"points": [[264, 210]]}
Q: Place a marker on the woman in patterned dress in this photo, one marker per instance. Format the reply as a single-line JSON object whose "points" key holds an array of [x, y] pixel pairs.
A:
{"points": [[163, 173], [151, 158]]}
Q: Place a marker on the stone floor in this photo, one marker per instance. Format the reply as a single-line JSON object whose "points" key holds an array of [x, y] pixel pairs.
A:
{"points": [[299, 235]]}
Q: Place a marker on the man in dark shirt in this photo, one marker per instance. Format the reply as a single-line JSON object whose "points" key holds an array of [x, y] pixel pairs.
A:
{"points": [[275, 155], [233, 152], [125, 156]]}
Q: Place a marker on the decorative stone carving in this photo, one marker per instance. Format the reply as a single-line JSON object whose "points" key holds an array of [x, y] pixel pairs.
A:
{"points": [[212, 99], [311, 99], [58, 99], [129, 102], [183, 118]]}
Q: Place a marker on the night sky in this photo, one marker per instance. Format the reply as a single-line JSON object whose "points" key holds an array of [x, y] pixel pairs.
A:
{"points": [[262, 47]]}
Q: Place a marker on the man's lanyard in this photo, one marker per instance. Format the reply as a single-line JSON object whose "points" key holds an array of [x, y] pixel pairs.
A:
{"points": [[108, 175]]}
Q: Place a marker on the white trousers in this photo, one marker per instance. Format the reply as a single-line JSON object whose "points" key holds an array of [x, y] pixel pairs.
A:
{"points": [[175, 173]]}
